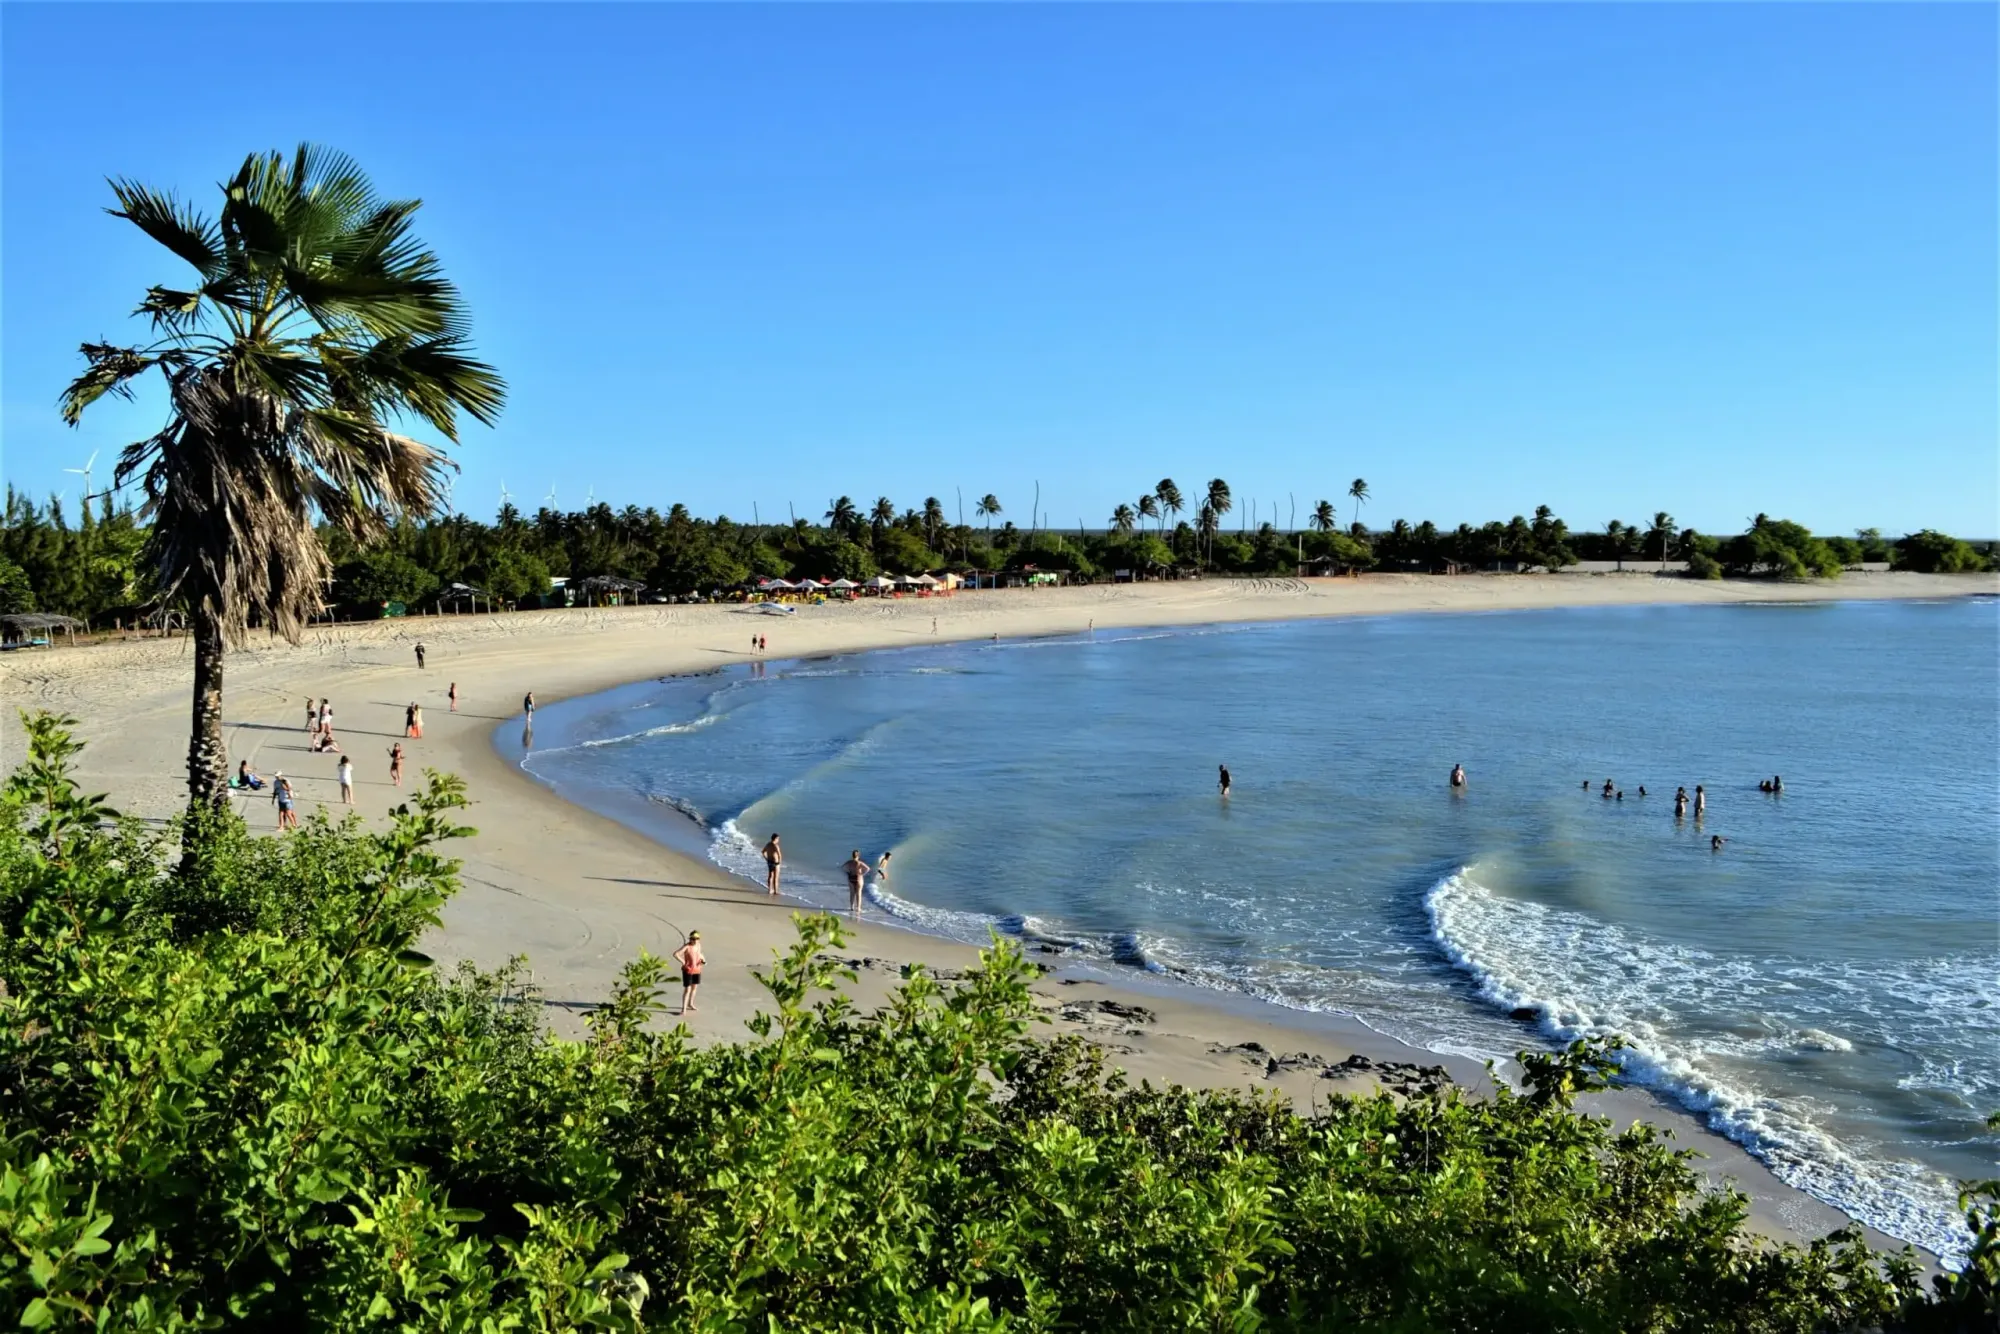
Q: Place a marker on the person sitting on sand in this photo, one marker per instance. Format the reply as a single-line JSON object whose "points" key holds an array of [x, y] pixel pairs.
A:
{"points": [[246, 777], [857, 872], [324, 743], [774, 864], [1458, 775]]}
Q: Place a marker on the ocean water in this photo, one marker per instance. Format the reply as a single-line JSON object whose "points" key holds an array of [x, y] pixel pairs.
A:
{"points": [[1824, 990]]}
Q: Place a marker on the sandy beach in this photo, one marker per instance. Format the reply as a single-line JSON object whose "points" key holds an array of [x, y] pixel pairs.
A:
{"points": [[580, 895]]}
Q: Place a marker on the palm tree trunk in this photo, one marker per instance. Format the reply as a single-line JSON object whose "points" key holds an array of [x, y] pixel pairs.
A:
{"points": [[208, 757]]}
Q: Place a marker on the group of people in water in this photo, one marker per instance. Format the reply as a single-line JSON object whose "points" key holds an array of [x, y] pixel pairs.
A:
{"points": [[856, 868]]}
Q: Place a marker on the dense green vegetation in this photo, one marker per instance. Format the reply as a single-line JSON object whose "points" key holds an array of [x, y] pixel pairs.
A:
{"points": [[234, 1095], [93, 567]]}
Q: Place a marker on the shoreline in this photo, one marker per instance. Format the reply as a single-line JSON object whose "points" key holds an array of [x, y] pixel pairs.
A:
{"points": [[582, 893]]}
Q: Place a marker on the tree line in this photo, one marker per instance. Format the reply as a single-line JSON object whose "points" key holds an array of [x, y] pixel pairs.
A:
{"points": [[94, 565]]}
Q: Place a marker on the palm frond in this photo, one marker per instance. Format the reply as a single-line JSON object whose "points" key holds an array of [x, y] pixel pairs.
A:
{"points": [[110, 370], [170, 310], [175, 225]]}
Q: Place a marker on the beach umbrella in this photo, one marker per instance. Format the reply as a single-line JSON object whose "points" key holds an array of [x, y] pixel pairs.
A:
{"points": [[843, 583]]}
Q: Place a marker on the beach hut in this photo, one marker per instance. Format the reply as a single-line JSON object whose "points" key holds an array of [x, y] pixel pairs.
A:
{"points": [[775, 585], [843, 584], [31, 629], [881, 583]]}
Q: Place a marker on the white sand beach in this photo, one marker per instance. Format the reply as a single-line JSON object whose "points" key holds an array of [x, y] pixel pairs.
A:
{"points": [[580, 895]]}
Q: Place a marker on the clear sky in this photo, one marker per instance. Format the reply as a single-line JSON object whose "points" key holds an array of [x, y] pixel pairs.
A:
{"points": [[1714, 259]]}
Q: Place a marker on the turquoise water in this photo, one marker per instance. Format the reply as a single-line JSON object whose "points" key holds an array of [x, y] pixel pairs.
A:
{"points": [[1825, 989]]}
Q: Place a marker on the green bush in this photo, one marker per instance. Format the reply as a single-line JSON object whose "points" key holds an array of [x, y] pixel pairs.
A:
{"points": [[1701, 565], [242, 1098], [1932, 552]]}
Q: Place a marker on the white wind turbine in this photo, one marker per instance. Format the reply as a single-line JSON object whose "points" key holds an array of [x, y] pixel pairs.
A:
{"points": [[84, 473], [549, 500], [506, 496]]}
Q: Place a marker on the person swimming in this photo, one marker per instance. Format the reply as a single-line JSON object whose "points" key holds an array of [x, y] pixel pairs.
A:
{"points": [[1642, 789], [1715, 842], [1458, 775], [1609, 787]]}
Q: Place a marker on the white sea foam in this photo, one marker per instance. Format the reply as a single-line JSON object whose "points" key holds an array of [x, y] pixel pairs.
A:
{"points": [[1584, 978]]}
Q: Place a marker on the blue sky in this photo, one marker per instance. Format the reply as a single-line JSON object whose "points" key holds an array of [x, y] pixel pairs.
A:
{"points": [[1714, 259]]}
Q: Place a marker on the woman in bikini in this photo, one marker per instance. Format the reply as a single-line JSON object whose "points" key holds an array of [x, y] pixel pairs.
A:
{"points": [[396, 764], [452, 695]]}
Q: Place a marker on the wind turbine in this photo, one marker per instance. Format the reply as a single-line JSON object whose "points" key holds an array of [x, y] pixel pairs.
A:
{"points": [[549, 500], [84, 473], [506, 496], [590, 496]]}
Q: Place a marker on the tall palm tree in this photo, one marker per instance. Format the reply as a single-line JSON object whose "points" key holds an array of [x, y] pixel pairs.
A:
{"points": [[1662, 534], [1149, 506], [1206, 521], [988, 506], [316, 318], [1323, 518], [882, 515], [1358, 493], [933, 520], [1122, 517], [1169, 497], [842, 514]]}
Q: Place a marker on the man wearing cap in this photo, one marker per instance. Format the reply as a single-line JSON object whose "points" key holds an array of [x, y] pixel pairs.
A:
{"points": [[689, 958]]}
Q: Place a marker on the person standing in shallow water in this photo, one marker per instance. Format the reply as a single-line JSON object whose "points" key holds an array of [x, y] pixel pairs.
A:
{"points": [[1680, 803], [1700, 801], [857, 870], [1222, 780], [1458, 775], [774, 864]]}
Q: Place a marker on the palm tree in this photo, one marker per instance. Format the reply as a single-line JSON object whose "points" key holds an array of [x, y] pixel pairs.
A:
{"points": [[1614, 532], [1358, 492], [840, 518], [316, 317], [1323, 518], [933, 520], [1169, 497], [882, 515], [1662, 533], [1205, 523], [988, 506], [1149, 508], [1122, 517]]}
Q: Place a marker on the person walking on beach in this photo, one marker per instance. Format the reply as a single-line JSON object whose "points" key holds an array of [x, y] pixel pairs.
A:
{"points": [[774, 864], [857, 873], [1458, 775], [689, 957], [396, 764], [1700, 801], [528, 707], [452, 695], [420, 655], [413, 724], [1222, 778], [281, 796], [754, 641], [346, 774], [312, 717]]}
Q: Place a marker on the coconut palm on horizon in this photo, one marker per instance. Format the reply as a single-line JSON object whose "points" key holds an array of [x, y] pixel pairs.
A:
{"points": [[1169, 497], [317, 319], [1358, 492], [1323, 517]]}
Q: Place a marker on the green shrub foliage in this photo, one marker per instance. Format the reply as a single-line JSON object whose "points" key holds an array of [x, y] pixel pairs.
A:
{"points": [[246, 1100]]}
